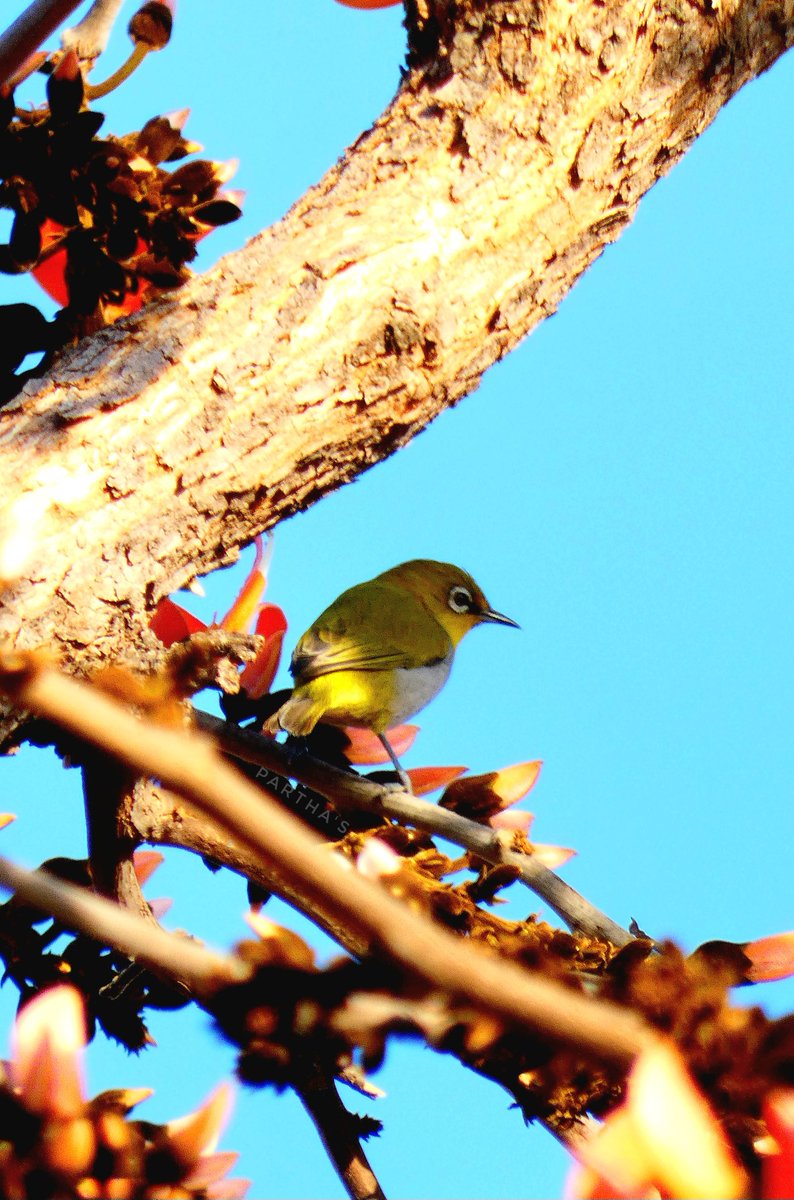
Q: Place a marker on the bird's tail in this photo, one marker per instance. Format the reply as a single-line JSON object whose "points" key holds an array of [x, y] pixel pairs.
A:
{"points": [[297, 716]]}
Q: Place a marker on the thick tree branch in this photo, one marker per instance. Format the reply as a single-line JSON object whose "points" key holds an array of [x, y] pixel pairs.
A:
{"points": [[517, 148]]}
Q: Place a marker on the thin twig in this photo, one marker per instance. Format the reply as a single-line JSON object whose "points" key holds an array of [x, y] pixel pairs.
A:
{"points": [[29, 30], [336, 1127], [81, 911], [353, 791], [95, 91], [189, 763]]}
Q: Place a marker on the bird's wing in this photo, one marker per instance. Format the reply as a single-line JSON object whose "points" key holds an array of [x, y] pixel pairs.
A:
{"points": [[356, 633]]}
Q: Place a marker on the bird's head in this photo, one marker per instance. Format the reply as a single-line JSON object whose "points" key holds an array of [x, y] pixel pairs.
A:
{"points": [[449, 593]]}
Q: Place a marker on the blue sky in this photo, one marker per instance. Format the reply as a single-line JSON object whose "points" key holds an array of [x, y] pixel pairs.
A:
{"points": [[621, 485]]}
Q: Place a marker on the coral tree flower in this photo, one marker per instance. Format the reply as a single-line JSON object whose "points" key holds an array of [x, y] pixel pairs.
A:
{"points": [[171, 623], [365, 749], [664, 1140], [73, 1134], [778, 1167], [47, 1044], [771, 958]]}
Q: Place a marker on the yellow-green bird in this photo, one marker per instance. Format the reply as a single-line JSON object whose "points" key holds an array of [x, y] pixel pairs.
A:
{"points": [[383, 650]]}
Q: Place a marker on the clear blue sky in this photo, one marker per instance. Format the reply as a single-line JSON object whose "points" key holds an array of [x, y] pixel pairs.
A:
{"points": [[621, 485]]}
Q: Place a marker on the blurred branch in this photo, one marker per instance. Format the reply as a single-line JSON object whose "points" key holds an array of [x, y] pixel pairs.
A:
{"points": [[29, 30], [189, 763], [352, 791], [78, 910]]}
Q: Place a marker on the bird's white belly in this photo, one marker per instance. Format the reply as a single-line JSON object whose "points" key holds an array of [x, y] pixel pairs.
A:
{"points": [[415, 687]]}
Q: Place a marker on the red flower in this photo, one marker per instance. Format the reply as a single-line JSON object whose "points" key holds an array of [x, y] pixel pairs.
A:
{"points": [[171, 623]]}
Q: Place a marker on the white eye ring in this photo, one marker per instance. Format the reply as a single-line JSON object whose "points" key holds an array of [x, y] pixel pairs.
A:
{"points": [[460, 600]]}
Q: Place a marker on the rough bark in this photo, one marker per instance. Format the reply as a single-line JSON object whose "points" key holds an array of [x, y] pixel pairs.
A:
{"points": [[519, 145]]}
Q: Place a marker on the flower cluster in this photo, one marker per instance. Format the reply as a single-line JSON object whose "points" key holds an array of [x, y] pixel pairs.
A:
{"points": [[100, 222], [56, 1142]]}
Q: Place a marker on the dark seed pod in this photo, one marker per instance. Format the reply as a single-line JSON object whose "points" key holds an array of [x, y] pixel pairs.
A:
{"points": [[114, 281], [217, 212], [59, 205], [82, 128]]}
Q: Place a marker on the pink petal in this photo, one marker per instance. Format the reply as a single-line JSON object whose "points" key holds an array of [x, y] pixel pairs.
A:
{"points": [[511, 784], [685, 1146], [47, 1045], [241, 613], [777, 1170], [210, 1169], [366, 750], [515, 818], [552, 856], [430, 779], [368, 3], [229, 1189], [771, 957], [257, 677], [196, 1134], [270, 620], [146, 863], [664, 1136]]}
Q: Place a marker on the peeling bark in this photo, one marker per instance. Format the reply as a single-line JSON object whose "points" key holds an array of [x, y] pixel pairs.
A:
{"points": [[518, 147]]}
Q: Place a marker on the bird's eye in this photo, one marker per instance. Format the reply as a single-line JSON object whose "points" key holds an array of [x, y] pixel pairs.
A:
{"points": [[460, 600]]}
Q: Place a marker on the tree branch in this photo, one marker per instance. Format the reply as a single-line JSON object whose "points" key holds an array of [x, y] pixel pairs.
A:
{"points": [[188, 763], [517, 148], [107, 789], [336, 1127], [351, 791], [162, 818]]}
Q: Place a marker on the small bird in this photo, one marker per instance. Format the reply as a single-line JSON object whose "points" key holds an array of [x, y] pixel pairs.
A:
{"points": [[383, 650]]}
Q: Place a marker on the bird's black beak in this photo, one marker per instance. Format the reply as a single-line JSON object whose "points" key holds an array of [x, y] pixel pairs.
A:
{"points": [[496, 618]]}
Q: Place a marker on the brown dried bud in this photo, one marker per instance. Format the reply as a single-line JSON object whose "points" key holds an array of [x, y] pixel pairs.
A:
{"points": [[152, 24], [161, 137]]}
